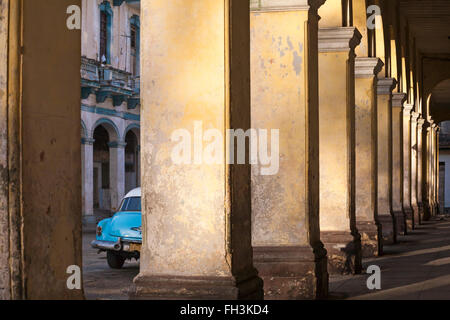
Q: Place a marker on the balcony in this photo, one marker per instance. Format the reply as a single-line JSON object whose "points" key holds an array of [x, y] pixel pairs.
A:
{"points": [[108, 82]]}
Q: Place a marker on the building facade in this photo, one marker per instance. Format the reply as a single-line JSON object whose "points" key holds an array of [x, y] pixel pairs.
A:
{"points": [[110, 105], [357, 102]]}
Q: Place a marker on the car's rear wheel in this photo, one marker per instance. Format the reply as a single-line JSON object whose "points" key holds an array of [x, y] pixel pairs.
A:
{"points": [[115, 260]]}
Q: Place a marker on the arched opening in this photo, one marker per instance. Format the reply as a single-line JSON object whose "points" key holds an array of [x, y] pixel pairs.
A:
{"points": [[132, 165], [439, 105], [101, 176]]}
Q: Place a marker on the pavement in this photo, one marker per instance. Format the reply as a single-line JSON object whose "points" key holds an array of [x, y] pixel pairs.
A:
{"points": [[100, 281], [416, 268]]}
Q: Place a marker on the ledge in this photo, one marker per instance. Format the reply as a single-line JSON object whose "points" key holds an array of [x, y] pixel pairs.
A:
{"points": [[338, 39], [386, 85], [367, 67], [284, 5], [407, 109], [398, 99]]}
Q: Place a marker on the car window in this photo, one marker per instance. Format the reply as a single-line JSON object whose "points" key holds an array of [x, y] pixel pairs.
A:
{"points": [[131, 204]]}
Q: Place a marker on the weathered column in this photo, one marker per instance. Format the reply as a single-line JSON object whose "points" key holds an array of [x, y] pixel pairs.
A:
{"points": [[398, 100], [436, 183], [337, 143], [414, 166], [433, 169], [366, 70], [426, 170], [87, 179], [420, 166], [384, 154], [196, 207], [116, 172], [406, 165], [287, 249]]}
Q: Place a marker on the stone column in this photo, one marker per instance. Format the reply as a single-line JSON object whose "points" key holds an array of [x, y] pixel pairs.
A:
{"points": [[366, 70], [196, 206], [116, 173], [420, 166], [436, 186], [384, 152], [406, 165], [87, 177], [287, 250], [433, 169], [398, 100], [337, 143], [414, 166], [426, 170]]}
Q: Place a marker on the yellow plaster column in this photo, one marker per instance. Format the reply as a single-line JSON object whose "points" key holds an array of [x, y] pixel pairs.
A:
{"points": [[384, 117], [398, 100], [426, 170], [406, 165], [433, 169], [288, 252], [420, 166], [337, 143], [196, 208], [414, 165], [436, 183], [366, 70]]}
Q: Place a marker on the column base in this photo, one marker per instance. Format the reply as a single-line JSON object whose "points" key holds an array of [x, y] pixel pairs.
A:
{"points": [[416, 216], [292, 273], [371, 235], [421, 212], [409, 219], [344, 251], [400, 222], [388, 228], [196, 288], [426, 212]]}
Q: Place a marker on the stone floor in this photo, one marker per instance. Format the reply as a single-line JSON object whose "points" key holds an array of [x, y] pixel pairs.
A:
{"points": [[101, 282], [418, 267]]}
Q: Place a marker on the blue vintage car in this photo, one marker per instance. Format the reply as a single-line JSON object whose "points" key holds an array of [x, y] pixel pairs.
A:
{"points": [[121, 235]]}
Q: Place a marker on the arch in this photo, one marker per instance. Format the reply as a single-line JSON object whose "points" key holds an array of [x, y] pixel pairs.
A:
{"points": [[379, 47], [439, 101], [84, 131], [110, 126], [136, 128]]}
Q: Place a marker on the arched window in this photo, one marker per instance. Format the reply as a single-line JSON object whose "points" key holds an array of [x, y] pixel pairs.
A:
{"points": [[106, 18]]}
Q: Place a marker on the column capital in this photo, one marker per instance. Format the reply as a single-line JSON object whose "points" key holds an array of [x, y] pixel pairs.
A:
{"points": [[87, 141], [338, 39], [367, 67], [285, 5], [386, 85], [117, 144], [398, 99], [407, 109], [415, 116], [420, 121]]}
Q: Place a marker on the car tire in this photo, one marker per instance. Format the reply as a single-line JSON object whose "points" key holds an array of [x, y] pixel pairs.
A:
{"points": [[115, 260]]}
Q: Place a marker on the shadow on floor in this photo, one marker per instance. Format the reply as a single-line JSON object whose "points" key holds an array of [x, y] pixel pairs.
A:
{"points": [[418, 267]]}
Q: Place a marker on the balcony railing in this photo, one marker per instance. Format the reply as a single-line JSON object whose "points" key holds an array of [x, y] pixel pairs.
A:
{"points": [[108, 82]]}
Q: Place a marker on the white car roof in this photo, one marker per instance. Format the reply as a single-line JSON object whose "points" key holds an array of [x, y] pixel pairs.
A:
{"points": [[134, 193]]}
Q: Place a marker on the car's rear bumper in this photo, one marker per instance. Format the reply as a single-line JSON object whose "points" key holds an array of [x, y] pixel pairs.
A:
{"points": [[117, 246]]}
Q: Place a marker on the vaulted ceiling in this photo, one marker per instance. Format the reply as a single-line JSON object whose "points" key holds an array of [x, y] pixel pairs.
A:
{"points": [[429, 21]]}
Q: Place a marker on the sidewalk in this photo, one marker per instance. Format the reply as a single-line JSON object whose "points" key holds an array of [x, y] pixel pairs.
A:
{"points": [[418, 267]]}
